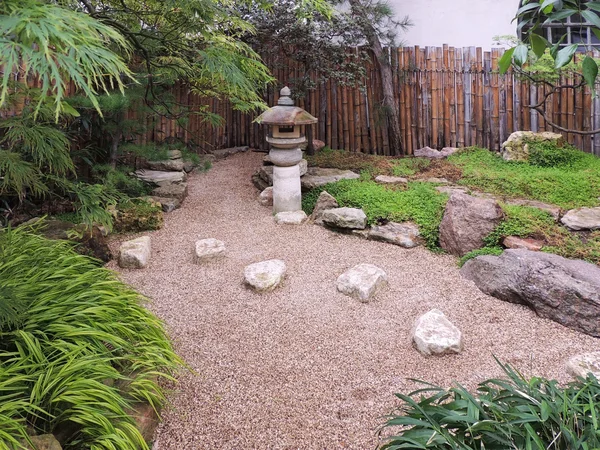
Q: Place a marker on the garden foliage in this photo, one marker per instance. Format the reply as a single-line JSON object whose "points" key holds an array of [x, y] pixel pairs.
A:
{"points": [[70, 332]]}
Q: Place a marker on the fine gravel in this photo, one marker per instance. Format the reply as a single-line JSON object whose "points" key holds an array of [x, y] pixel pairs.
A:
{"points": [[304, 366]]}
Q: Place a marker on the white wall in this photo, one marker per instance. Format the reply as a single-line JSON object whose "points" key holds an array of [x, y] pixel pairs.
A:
{"points": [[458, 23]]}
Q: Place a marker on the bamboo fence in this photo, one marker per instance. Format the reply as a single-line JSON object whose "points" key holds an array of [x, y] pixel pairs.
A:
{"points": [[446, 96]]}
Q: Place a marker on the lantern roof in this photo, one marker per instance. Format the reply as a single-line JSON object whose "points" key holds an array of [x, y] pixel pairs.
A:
{"points": [[285, 113]]}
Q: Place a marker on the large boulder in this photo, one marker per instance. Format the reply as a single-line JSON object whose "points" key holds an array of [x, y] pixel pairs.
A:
{"points": [[434, 334], [317, 176], [403, 234], [582, 219], [362, 281], [516, 147], [324, 202], [135, 254], [265, 276], [564, 290], [345, 218], [467, 221]]}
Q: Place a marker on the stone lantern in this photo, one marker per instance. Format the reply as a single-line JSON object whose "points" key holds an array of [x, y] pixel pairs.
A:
{"points": [[286, 136]]}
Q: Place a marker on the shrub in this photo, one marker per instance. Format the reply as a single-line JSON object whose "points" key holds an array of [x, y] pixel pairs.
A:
{"points": [[548, 154], [120, 180], [69, 331], [420, 203], [512, 413]]}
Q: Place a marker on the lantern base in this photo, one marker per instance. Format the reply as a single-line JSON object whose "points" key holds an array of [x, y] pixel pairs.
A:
{"points": [[287, 194]]}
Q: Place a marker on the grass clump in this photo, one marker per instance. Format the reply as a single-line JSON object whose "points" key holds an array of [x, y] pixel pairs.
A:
{"points": [[496, 251], [70, 333], [575, 182], [510, 413], [420, 203]]}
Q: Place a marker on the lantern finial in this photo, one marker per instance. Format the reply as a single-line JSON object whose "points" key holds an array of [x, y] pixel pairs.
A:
{"points": [[285, 99]]}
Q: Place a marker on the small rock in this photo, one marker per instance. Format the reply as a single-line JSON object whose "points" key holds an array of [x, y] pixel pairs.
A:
{"points": [[178, 191], [553, 210], [207, 249], [267, 160], [324, 202], [403, 234], [135, 254], [188, 166], [168, 204], [362, 281], [349, 218], [266, 174], [290, 217], [436, 180], [146, 419], [258, 182], [428, 152], [317, 176], [528, 244], [225, 152], [581, 365], [582, 219], [318, 145], [266, 275], [434, 334], [44, 442], [160, 178], [450, 189], [174, 154], [384, 179], [466, 222], [169, 165], [265, 198], [303, 165], [447, 151]]}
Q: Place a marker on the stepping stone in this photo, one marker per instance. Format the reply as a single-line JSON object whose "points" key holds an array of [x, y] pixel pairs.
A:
{"points": [[324, 202], [168, 204], [581, 365], [160, 178], [290, 217], [177, 191], [266, 275], [450, 189], [168, 165], [434, 334], [582, 219], [347, 218], [403, 234], [207, 249], [317, 176], [384, 179], [362, 281], [265, 198], [553, 210], [528, 244], [135, 254]]}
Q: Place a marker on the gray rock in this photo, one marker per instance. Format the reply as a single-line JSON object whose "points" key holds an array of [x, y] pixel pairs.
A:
{"points": [[466, 222], [362, 281], [208, 249], [174, 154], [564, 290], [266, 275], [582, 219], [160, 178], [168, 204], [317, 176], [266, 174], [44, 442], [434, 334], [258, 182], [188, 166], [168, 165], [384, 179], [324, 202], [290, 217], [516, 147], [135, 254], [225, 152], [451, 189], [436, 180], [553, 210], [447, 151], [428, 152], [582, 365], [303, 164], [348, 218], [403, 234], [265, 198], [177, 191]]}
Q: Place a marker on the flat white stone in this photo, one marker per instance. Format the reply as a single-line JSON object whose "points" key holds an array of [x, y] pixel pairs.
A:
{"points": [[581, 365], [207, 249], [266, 275], [384, 179], [362, 281], [135, 254], [265, 198], [434, 334], [290, 217], [582, 219], [159, 177]]}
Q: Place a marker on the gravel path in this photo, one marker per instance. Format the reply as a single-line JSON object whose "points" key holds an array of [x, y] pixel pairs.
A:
{"points": [[305, 367]]}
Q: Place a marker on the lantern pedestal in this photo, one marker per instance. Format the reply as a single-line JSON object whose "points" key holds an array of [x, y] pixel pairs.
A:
{"points": [[287, 195]]}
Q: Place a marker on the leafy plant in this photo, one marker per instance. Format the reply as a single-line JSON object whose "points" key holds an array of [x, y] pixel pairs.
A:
{"points": [[138, 214], [512, 413], [548, 154], [82, 331]]}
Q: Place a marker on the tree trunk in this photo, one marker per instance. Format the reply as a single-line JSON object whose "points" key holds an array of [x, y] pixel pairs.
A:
{"points": [[310, 147], [114, 148], [387, 83]]}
